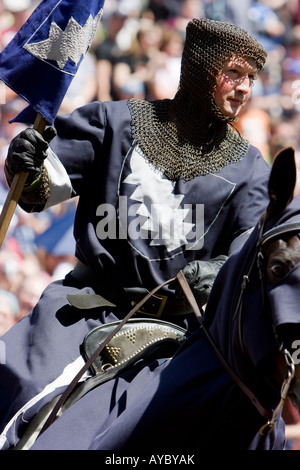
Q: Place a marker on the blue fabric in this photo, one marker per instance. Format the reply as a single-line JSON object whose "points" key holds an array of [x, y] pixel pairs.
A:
{"points": [[42, 76], [184, 403], [187, 403], [101, 172]]}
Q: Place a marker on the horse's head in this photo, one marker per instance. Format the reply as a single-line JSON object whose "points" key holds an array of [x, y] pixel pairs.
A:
{"points": [[253, 313], [279, 249]]}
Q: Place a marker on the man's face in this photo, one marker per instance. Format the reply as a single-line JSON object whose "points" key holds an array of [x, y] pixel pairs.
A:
{"points": [[234, 85]]}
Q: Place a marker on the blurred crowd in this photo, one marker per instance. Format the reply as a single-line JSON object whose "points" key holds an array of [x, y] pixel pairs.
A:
{"points": [[137, 53]]}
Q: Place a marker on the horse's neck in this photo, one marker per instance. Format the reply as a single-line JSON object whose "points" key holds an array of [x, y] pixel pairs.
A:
{"points": [[245, 338]]}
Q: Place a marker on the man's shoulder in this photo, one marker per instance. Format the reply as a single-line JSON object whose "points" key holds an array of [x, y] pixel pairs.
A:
{"points": [[117, 109], [254, 155]]}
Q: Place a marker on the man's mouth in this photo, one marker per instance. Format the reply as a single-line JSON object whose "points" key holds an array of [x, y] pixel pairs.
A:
{"points": [[236, 101]]}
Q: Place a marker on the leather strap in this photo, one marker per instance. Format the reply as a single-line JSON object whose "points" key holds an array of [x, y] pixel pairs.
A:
{"points": [[279, 230]]}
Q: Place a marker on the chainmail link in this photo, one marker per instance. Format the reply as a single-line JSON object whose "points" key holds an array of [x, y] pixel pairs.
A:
{"points": [[39, 195], [170, 153], [189, 136], [208, 45]]}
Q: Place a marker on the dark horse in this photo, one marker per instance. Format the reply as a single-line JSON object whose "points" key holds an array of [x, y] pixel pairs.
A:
{"points": [[226, 385]]}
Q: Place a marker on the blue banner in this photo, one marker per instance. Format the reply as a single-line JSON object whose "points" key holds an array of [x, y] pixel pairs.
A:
{"points": [[43, 57]]}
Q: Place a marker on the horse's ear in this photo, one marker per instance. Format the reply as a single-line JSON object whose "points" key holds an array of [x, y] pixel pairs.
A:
{"points": [[282, 181]]}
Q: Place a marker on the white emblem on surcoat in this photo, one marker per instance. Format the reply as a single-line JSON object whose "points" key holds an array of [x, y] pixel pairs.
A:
{"points": [[159, 207]]}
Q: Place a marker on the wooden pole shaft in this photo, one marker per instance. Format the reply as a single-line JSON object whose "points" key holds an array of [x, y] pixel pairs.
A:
{"points": [[16, 189]]}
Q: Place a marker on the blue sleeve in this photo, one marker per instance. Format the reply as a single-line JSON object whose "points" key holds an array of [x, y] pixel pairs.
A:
{"points": [[80, 138]]}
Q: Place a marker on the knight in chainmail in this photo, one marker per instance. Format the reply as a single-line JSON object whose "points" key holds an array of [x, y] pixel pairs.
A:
{"points": [[189, 135], [163, 186]]}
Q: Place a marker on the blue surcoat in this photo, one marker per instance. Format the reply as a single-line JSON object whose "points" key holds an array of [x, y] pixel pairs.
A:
{"points": [[134, 228]]}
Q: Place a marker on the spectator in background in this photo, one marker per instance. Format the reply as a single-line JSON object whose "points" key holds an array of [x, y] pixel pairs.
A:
{"points": [[161, 9], [18, 11], [8, 111], [10, 268], [14, 13], [83, 88], [107, 54], [187, 10], [254, 124], [266, 23], [168, 63], [9, 311], [30, 291], [233, 11], [132, 88], [285, 132], [138, 62]]}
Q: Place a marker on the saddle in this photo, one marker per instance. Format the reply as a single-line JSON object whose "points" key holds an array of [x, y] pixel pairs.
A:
{"points": [[110, 350]]}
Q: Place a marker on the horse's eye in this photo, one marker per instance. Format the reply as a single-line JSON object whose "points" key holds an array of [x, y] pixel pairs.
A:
{"points": [[278, 270]]}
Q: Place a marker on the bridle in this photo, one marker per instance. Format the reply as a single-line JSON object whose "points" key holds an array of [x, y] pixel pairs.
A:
{"points": [[258, 260], [264, 238]]}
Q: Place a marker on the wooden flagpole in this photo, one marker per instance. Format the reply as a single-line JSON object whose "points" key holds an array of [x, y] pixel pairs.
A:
{"points": [[16, 188]]}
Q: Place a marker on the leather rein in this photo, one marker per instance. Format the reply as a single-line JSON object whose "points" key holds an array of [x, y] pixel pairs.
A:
{"points": [[270, 415]]}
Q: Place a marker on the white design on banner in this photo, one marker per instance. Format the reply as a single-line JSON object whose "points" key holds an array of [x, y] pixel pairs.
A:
{"points": [[159, 209], [71, 43]]}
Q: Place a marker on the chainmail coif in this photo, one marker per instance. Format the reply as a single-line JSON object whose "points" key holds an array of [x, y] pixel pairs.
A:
{"points": [[189, 136]]}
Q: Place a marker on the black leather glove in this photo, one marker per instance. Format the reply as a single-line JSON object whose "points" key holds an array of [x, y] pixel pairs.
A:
{"points": [[200, 276], [27, 152]]}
